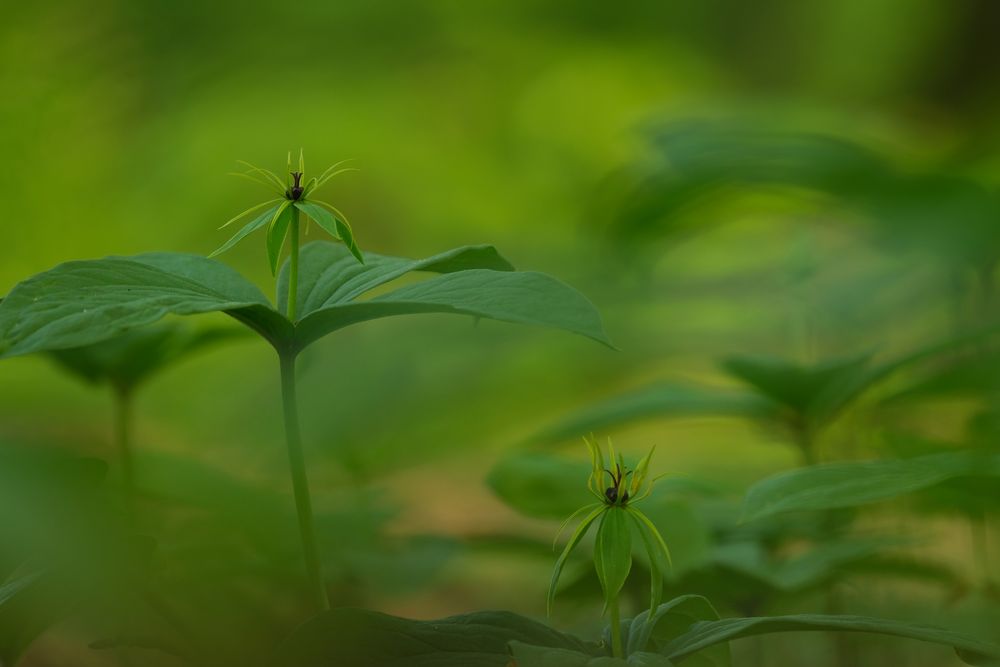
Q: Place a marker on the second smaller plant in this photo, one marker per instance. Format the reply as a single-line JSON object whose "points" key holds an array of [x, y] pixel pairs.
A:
{"points": [[617, 489]]}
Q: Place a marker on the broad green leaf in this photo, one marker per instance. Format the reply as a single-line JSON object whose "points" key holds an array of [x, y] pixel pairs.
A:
{"points": [[247, 229], [660, 400], [541, 656], [359, 638], [334, 225], [613, 552], [517, 297], [574, 539], [329, 275], [132, 357], [277, 231], [83, 302], [706, 634], [80, 303], [652, 632], [837, 485]]}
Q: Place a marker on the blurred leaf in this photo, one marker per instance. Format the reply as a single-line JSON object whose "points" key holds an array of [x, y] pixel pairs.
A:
{"points": [[659, 400], [671, 620], [359, 638], [538, 656], [703, 158], [815, 567], [29, 605], [703, 635], [798, 388], [541, 485], [706, 158], [837, 485], [967, 375], [685, 532], [132, 357]]}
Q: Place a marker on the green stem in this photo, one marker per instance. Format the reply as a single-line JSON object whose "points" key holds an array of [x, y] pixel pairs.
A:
{"points": [[616, 630], [293, 265], [123, 442], [804, 441], [300, 483]]}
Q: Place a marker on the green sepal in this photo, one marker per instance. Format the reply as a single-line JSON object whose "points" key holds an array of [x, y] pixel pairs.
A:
{"points": [[613, 553], [574, 539], [276, 233], [659, 558], [333, 223], [655, 533], [248, 229]]}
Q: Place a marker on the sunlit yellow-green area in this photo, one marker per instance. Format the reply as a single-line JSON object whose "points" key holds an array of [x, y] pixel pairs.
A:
{"points": [[803, 185]]}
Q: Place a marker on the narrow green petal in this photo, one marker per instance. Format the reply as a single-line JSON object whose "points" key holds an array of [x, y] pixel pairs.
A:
{"points": [[561, 561], [302, 162], [327, 177], [270, 175], [332, 167], [255, 179]]}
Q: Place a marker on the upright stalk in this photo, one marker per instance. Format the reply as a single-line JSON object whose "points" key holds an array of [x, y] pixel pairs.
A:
{"points": [[293, 265], [300, 483], [123, 443], [293, 438], [616, 630]]}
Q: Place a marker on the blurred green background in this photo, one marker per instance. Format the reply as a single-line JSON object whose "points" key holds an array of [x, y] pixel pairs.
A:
{"points": [[810, 181]]}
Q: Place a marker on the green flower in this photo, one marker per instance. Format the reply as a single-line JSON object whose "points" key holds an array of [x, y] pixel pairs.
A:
{"points": [[294, 197], [617, 488]]}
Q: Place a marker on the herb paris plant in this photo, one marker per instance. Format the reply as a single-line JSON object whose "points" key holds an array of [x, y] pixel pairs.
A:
{"points": [[319, 291], [613, 543]]}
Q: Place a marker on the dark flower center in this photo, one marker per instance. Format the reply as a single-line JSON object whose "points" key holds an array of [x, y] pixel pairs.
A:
{"points": [[617, 493], [295, 192]]}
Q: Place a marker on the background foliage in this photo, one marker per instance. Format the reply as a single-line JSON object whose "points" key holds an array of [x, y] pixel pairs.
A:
{"points": [[764, 200]]}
